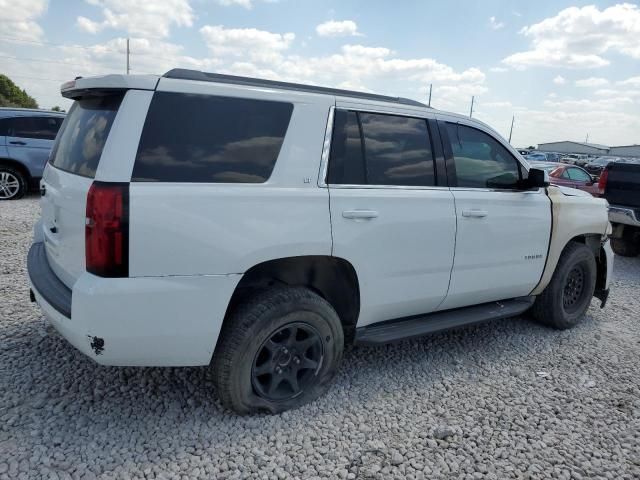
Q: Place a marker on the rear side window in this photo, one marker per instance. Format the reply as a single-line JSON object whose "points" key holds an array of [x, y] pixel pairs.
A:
{"points": [[204, 138], [380, 149], [480, 160], [41, 128], [83, 134]]}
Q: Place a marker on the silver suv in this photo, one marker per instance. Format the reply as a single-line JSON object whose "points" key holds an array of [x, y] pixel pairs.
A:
{"points": [[26, 138]]}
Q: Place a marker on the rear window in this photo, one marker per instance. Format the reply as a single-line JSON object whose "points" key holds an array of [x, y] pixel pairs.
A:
{"points": [[204, 138], [83, 134]]}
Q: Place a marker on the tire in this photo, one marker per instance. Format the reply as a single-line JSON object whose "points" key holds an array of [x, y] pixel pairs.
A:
{"points": [[287, 328], [628, 245], [560, 305], [13, 184]]}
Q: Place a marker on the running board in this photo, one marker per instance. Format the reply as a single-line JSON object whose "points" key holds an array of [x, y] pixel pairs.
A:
{"points": [[411, 327]]}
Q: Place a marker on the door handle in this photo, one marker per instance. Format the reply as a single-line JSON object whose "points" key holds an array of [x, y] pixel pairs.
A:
{"points": [[17, 142], [360, 214], [475, 213]]}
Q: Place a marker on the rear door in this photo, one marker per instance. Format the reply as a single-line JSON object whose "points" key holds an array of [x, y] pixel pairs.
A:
{"points": [[503, 233], [29, 140], [390, 216], [66, 181]]}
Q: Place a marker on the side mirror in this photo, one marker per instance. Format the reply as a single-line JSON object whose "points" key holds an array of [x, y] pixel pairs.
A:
{"points": [[537, 178]]}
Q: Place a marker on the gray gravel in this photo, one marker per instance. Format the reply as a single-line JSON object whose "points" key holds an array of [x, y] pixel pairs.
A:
{"points": [[508, 399]]}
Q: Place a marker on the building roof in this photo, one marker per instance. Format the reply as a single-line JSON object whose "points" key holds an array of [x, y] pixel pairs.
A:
{"points": [[592, 145]]}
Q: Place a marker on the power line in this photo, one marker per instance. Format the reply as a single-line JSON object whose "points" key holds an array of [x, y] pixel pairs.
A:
{"points": [[44, 60]]}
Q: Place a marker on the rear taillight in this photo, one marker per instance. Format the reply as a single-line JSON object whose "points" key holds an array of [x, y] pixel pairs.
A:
{"points": [[106, 230], [602, 183]]}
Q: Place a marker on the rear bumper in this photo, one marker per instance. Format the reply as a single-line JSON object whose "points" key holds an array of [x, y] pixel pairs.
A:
{"points": [[624, 215], [143, 321]]}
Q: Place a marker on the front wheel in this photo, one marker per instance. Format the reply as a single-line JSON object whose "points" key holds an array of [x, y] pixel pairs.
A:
{"points": [[564, 301], [278, 351]]}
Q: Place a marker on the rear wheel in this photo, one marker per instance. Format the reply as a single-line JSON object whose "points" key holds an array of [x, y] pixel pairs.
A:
{"points": [[564, 301], [628, 245], [277, 351], [13, 185]]}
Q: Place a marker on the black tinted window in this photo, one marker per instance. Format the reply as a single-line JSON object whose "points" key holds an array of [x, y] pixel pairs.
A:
{"points": [[84, 133], [346, 165], [480, 160], [397, 150], [42, 128], [203, 138], [377, 149]]}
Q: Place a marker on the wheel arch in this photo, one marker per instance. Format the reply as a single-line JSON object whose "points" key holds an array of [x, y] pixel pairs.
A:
{"points": [[18, 166], [333, 278]]}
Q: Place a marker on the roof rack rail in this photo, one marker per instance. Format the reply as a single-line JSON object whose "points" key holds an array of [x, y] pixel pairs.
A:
{"points": [[186, 74]]}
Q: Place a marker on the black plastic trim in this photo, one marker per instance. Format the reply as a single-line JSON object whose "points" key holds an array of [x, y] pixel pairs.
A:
{"points": [[186, 74], [417, 326], [45, 281]]}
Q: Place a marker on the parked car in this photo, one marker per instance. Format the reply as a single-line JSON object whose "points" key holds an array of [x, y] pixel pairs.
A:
{"points": [[537, 157], [570, 176], [524, 152], [259, 226], [595, 167], [620, 186], [575, 159], [26, 137]]}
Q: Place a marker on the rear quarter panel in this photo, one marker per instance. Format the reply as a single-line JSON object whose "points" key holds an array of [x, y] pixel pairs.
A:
{"points": [[224, 228]]}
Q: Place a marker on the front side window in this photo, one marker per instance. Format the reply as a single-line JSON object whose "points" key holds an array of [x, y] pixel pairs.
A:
{"points": [[480, 160], [380, 149], [210, 139], [41, 128], [579, 175]]}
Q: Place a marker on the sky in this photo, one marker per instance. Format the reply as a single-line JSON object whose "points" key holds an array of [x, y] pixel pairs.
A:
{"points": [[567, 70]]}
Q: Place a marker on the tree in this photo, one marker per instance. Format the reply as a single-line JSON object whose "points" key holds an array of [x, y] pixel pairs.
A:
{"points": [[57, 109], [12, 96]]}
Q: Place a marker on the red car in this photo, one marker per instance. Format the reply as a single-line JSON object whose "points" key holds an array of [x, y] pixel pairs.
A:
{"points": [[569, 176]]}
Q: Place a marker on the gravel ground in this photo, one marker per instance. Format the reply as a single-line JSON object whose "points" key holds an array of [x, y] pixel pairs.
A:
{"points": [[508, 399]]}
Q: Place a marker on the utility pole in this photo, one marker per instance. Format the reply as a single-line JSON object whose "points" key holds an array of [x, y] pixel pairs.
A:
{"points": [[430, 90], [127, 55], [471, 111], [513, 119]]}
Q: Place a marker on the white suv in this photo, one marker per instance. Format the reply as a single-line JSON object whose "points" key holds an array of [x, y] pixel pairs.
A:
{"points": [[259, 226]]}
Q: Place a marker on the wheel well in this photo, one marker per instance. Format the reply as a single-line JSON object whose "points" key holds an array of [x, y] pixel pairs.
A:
{"points": [[594, 242], [18, 166], [333, 278]]}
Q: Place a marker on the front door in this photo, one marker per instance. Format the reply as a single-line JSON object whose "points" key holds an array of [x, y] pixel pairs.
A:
{"points": [[503, 232], [389, 217]]}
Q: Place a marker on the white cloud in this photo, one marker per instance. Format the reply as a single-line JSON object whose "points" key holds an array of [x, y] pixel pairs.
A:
{"points": [[18, 19], [633, 81], [559, 80], [498, 69], [495, 24], [241, 3], [139, 17], [254, 44], [580, 37], [333, 28], [591, 82]]}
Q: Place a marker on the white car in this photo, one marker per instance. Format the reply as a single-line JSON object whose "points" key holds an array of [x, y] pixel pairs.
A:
{"points": [[259, 226]]}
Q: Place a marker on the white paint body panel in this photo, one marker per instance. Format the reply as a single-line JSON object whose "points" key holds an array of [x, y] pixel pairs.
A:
{"points": [[155, 321], [403, 257], [493, 253]]}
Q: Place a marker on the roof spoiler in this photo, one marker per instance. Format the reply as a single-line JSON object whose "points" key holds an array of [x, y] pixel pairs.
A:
{"points": [[84, 86]]}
